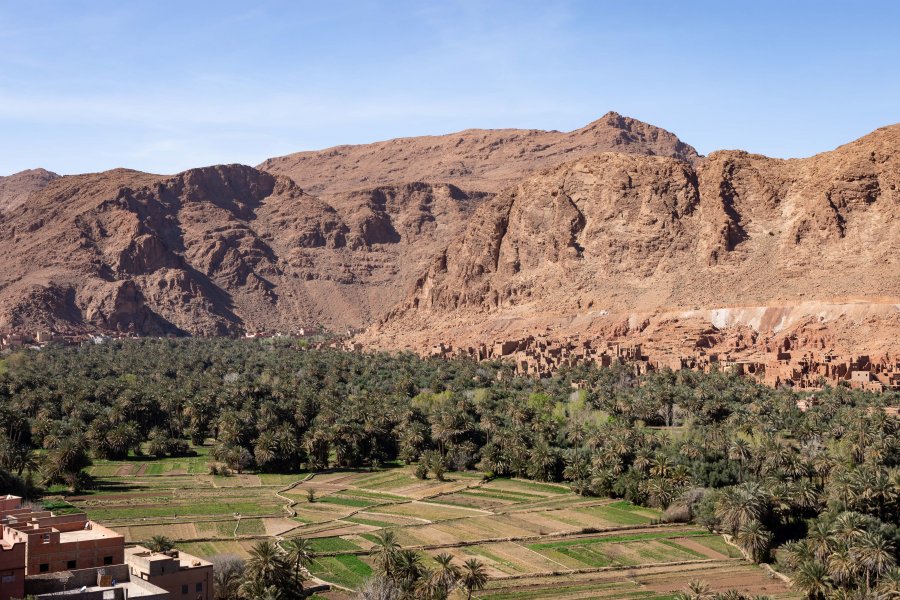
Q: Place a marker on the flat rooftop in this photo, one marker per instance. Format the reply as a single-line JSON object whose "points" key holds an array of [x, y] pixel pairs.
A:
{"points": [[185, 561], [133, 589], [83, 535]]}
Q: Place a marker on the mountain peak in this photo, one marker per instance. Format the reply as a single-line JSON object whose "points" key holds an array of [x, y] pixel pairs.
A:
{"points": [[626, 133], [15, 189], [480, 231], [477, 159]]}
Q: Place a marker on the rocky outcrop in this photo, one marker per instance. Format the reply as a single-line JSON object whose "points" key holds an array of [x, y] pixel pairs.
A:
{"points": [[616, 230], [216, 251], [15, 189], [620, 234], [486, 160]]}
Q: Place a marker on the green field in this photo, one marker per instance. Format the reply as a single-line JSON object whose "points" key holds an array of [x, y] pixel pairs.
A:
{"points": [[517, 528]]}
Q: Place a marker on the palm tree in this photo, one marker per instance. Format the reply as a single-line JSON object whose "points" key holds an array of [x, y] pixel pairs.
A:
{"points": [[842, 568], [267, 567], [754, 539], [812, 579], [691, 450], [875, 554], [444, 577], [661, 465], [66, 459], [159, 543], [822, 465], [848, 527], [660, 492], [544, 462], [741, 504], [408, 570], [804, 495], [793, 554], [889, 584], [17, 458], [384, 554], [254, 589], [740, 451], [474, 576], [696, 590], [266, 449], [819, 541], [299, 553], [578, 471]]}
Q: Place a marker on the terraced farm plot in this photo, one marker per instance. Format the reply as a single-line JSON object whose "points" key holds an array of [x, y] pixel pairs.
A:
{"points": [[634, 548], [651, 583], [217, 547], [621, 513], [347, 571], [430, 511], [536, 540], [193, 509]]}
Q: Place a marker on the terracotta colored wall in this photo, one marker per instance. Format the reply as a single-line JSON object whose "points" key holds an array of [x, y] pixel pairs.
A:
{"points": [[174, 582], [12, 571], [86, 553]]}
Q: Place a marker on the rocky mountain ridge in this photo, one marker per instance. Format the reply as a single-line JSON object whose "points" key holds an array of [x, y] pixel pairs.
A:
{"points": [[615, 229], [619, 235], [15, 189], [486, 160]]}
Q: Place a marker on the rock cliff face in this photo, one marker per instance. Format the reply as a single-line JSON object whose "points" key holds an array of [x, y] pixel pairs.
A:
{"points": [[228, 249], [211, 251], [616, 229], [616, 235]]}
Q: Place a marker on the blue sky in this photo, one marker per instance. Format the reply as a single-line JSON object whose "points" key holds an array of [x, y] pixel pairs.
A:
{"points": [[163, 86]]}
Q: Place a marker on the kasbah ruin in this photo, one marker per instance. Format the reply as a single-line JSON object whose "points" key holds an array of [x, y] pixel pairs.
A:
{"points": [[539, 356], [776, 364]]}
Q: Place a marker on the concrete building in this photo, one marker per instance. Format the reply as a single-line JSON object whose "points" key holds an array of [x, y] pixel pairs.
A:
{"points": [[185, 577]]}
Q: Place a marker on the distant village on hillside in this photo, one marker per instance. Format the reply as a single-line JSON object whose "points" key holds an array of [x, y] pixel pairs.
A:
{"points": [[540, 356]]}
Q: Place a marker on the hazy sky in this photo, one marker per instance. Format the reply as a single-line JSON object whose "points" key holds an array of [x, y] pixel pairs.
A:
{"points": [[163, 86]]}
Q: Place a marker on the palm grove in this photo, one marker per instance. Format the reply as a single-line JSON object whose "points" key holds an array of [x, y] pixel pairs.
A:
{"points": [[819, 491]]}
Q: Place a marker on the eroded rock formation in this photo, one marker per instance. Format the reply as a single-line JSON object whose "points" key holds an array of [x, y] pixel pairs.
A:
{"points": [[615, 230]]}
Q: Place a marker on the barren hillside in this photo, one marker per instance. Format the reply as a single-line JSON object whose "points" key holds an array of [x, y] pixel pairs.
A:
{"points": [[476, 159], [614, 230], [230, 249], [15, 189], [613, 243]]}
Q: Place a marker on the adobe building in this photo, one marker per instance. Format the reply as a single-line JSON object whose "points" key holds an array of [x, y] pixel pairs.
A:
{"points": [[34, 542], [12, 557], [98, 583], [183, 576], [72, 558], [61, 543]]}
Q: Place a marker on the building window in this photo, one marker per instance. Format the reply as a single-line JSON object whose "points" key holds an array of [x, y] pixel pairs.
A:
{"points": [[184, 589], [45, 568], [71, 564], [200, 587], [107, 560]]}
